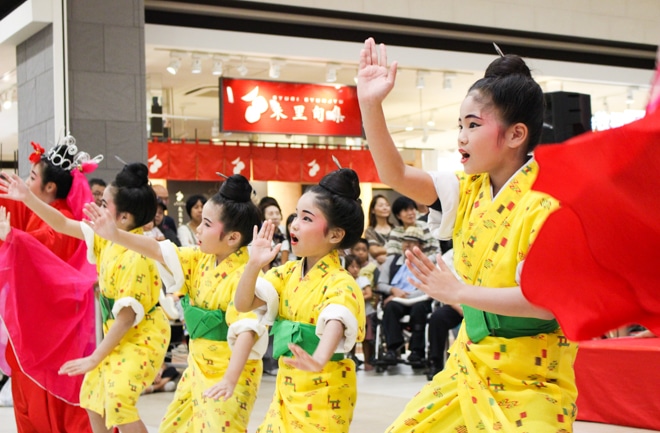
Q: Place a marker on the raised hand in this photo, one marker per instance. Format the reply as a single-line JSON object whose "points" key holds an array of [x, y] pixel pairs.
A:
{"points": [[13, 187], [101, 221], [262, 251], [223, 389], [375, 79], [436, 281], [5, 223]]}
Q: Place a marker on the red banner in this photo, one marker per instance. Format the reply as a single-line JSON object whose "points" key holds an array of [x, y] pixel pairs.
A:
{"points": [[159, 160], [277, 107], [281, 163], [288, 164], [182, 164], [264, 163], [237, 161], [313, 164], [210, 161], [363, 164]]}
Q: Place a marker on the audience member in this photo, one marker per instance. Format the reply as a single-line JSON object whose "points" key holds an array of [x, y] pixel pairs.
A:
{"points": [[97, 186], [405, 212], [161, 222], [380, 226], [187, 232], [404, 299]]}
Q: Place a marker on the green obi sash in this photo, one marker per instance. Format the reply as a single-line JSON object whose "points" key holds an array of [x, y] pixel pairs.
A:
{"points": [[106, 308], [480, 324], [302, 334], [108, 304], [202, 323]]}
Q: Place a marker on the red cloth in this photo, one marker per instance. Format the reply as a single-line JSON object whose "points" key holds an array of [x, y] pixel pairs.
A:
{"points": [[613, 378], [48, 308], [38, 411], [594, 261]]}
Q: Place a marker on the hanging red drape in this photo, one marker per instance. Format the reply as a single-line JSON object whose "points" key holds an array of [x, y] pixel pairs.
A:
{"points": [[288, 164], [363, 164], [210, 161], [182, 162], [264, 163], [159, 160], [237, 161], [313, 164]]}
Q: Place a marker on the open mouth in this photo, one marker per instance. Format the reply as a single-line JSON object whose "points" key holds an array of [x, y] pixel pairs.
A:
{"points": [[464, 156], [294, 239]]}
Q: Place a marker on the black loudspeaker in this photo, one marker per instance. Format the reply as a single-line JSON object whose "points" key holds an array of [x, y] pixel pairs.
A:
{"points": [[156, 122], [566, 115]]}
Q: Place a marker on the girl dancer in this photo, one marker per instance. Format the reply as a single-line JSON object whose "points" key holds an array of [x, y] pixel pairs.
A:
{"points": [[219, 387], [318, 305], [511, 368]]}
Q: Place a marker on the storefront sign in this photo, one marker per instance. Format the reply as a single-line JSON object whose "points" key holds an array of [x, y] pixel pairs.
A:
{"points": [[276, 107]]}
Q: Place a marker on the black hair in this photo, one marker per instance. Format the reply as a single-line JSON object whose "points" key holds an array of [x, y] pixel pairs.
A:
{"points": [[338, 197], [349, 259], [267, 202], [96, 181], [60, 177], [372, 213], [361, 241], [402, 203], [238, 213], [192, 201], [133, 193], [512, 91], [289, 220]]}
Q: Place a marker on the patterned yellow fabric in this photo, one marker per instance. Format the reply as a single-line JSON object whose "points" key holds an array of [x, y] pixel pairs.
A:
{"points": [[492, 383], [212, 287], [114, 386], [305, 401]]}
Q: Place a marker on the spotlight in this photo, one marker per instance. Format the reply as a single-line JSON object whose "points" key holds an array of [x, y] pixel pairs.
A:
{"points": [[217, 67], [448, 80], [243, 70], [275, 69], [420, 79], [175, 64], [331, 74], [196, 65]]}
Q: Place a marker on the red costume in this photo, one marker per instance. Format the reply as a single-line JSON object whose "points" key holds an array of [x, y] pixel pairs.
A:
{"points": [[47, 306], [594, 261]]}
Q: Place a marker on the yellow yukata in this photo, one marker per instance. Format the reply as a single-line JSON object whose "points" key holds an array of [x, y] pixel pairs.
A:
{"points": [[308, 401], [126, 279], [212, 287], [504, 374]]}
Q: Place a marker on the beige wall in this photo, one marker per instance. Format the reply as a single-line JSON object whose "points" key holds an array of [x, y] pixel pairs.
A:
{"points": [[618, 20]]}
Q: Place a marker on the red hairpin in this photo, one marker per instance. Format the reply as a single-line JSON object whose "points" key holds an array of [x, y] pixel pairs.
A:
{"points": [[38, 151]]}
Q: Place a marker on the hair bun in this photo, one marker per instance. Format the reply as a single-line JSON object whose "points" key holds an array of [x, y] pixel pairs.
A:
{"points": [[133, 175], [343, 182], [509, 64], [236, 188]]}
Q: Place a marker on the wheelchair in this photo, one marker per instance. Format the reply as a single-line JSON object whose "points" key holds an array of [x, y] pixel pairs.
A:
{"points": [[380, 362]]}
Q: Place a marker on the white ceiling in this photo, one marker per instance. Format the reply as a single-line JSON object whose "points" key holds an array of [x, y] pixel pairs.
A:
{"points": [[194, 101]]}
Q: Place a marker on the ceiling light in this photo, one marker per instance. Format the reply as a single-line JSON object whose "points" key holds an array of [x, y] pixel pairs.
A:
{"points": [[275, 69], [420, 79], [331, 74], [6, 104], [242, 70], [175, 64], [217, 67], [196, 65]]}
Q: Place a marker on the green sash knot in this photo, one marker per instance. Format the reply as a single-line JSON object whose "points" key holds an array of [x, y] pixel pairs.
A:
{"points": [[302, 334], [202, 323]]}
